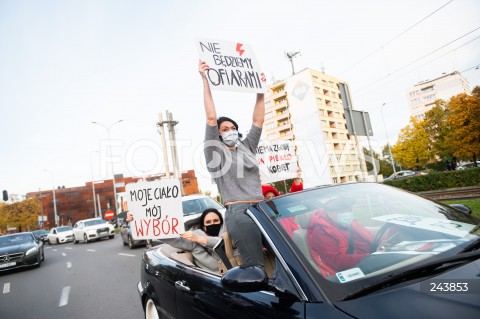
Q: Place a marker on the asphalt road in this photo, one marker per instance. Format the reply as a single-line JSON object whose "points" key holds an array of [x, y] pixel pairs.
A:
{"points": [[93, 280]]}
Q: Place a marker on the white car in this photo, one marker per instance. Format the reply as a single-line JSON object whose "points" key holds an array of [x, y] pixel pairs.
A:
{"points": [[194, 205], [92, 229], [59, 235]]}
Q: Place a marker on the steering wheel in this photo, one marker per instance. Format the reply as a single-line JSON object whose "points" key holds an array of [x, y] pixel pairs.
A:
{"points": [[382, 231]]}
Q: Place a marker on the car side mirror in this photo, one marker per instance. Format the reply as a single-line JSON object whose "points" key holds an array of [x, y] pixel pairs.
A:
{"points": [[245, 279], [463, 208]]}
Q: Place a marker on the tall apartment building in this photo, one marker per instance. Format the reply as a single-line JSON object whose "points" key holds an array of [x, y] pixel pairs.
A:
{"points": [[307, 108], [422, 96]]}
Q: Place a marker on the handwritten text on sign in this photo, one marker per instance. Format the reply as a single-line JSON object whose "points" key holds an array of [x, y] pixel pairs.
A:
{"points": [[156, 208], [276, 161], [233, 66]]}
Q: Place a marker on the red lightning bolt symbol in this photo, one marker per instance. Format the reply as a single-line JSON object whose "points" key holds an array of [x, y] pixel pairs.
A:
{"points": [[239, 49]]}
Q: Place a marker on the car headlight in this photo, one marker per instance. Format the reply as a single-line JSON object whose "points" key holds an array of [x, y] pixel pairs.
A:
{"points": [[32, 250]]}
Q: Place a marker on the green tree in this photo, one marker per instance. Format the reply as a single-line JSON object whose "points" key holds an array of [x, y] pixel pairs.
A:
{"points": [[437, 129]]}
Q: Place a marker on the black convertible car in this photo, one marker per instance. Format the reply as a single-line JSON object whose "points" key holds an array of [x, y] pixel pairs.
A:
{"points": [[20, 250], [360, 250]]}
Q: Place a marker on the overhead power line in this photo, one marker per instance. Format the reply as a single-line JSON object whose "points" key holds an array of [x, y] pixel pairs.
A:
{"points": [[421, 58], [394, 38]]}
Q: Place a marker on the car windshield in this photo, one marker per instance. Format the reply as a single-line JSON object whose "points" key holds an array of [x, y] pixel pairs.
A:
{"points": [[15, 239], [94, 222], [198, 205], [64, 228], [40, 232], [354, 235]]}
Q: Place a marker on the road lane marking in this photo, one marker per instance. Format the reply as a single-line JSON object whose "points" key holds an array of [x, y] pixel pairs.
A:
{"points": [[54, 249], [69, 265], [128, 255], [6, 288], [91, 250], [64, 298], [63, 254], [68, 248]]}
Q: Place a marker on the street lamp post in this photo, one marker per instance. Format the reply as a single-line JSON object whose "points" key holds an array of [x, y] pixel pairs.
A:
{"points": [[107, 128], [388, 140], [54, 200], [93, 186]]}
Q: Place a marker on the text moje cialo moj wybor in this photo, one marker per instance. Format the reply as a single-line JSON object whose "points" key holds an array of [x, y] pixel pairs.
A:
{"points": [[233, 66], [156, 208]]}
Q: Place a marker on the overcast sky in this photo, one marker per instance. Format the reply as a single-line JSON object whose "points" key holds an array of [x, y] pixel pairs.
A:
{"points": [[66, 63]]}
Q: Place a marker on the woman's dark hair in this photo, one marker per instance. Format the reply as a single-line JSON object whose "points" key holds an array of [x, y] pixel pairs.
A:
{"points": [[197, 223], [207, 211], [222, 119]]}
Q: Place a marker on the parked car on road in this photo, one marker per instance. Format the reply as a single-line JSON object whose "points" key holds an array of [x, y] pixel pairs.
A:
{"points": [[92, 229], [20, 250], [194, 205], [127, 239], [402, 174], [467, 166], [422, 261], [60, 235], [41, 234]]}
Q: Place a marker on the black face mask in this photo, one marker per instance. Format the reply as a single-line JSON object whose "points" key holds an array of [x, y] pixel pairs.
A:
{"points": [[213, 230]]}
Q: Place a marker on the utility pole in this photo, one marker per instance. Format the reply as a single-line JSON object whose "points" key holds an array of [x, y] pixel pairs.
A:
{"points": [[173, 144], [161, 131], [41, 206], [290, 56]]}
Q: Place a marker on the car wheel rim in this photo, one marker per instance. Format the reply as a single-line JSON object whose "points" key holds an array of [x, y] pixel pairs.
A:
{"points": [[151, 310]]}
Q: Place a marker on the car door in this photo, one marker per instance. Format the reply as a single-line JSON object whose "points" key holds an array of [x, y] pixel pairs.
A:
{"points": [[199, 294], [77, 231], [52, 236]]}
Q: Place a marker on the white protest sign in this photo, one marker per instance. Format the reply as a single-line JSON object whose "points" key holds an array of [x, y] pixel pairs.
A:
{"points": [[233, 66], [276, 161], [156, 208]]}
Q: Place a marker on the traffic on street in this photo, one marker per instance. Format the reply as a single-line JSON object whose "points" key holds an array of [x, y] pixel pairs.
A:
{"points": [[86, 280]]}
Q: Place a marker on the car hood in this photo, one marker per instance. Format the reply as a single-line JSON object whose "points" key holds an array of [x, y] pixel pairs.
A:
{"points": [[416, 301], [15, 248], [65, 233], [98, 226]]}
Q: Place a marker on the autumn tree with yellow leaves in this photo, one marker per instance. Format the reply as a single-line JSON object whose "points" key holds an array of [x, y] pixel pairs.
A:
{"points": [[449, 130], [464, 124], [21, 215], [413, 148]]}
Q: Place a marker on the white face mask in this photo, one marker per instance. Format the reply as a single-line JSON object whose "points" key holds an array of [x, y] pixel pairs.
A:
{"points": [[230, 138], [345, 219]]}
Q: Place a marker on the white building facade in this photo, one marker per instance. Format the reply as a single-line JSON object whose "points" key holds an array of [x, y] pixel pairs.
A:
{"points": [[422, 96], [307, 109]]}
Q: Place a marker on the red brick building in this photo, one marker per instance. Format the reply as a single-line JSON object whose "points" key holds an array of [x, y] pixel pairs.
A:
{"points": [[76, 203]]}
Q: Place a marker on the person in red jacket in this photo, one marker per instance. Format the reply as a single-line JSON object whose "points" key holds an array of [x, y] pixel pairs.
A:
{"points": [[337, 242]]}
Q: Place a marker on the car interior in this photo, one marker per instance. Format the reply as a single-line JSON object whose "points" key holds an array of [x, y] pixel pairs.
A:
{"points": [[226, 253]]}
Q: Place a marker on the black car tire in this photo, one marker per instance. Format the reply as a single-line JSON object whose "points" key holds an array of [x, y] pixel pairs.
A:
{"points": [[49, 241], [111, 237], [58, 241], [130, 242], [75, 240], [151, 310], [85, 238]]}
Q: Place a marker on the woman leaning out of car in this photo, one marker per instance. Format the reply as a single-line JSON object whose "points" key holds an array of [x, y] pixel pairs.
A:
{"points": [[201, 239]]}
